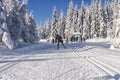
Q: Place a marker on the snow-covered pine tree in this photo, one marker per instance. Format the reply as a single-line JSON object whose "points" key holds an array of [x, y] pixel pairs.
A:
{"points": [[16, 22], [102, 26], [23, 7], [106, 15], [113, 14], [39, 32], [79, 23], [23, 20], [28, 32], [86, 22], [85, 28], [30, 28], [115, 40], [47, 29], [11, 5], [62, 25], [5, 37], [2, 18], [13, 25], [97, 24], [81, 19], [75, 19], [93, 18], [69, 21], [54, 23]]}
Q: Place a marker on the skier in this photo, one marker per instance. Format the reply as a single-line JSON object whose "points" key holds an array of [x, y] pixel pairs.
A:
{"points": [[53, 41], [59, 39], [84, 39]]}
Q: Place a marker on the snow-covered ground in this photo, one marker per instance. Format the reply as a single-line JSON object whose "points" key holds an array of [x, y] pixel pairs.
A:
{"points": [[92, 60]]}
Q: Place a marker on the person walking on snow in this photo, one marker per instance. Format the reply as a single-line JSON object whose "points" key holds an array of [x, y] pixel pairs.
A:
{"points": [[59, 39]]}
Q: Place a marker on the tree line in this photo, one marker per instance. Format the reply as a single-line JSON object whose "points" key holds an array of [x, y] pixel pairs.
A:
{"points": [[97, 20]]}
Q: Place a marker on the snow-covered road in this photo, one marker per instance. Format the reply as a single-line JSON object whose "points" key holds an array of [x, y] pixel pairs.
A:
{"points": [[87, 61]]}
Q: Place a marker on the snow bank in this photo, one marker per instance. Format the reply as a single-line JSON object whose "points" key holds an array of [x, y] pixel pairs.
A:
{"points": [[7, 40], [98, 40], [115, 44], [43, 40]]}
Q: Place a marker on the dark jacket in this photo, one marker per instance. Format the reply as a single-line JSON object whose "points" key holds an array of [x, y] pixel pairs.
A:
{"points": [[59, 38]]}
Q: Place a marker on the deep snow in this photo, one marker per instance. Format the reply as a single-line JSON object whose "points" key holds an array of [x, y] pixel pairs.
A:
{"points": [[92, 60]]}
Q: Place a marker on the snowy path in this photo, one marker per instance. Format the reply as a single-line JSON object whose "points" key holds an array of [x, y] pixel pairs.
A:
{"points": [[111, 70], [98, 58], [77, 62]]}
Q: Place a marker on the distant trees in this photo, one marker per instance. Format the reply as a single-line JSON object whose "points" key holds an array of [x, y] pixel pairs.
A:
{"points": [[95, 20], [90, 21], [39, 31], [47, 29]]}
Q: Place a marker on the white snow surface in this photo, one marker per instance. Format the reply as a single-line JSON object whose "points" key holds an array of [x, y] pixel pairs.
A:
{"points": [[92, 60]]}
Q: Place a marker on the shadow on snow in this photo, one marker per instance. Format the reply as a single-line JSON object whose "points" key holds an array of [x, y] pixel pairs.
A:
{"points": [[107, 77]]}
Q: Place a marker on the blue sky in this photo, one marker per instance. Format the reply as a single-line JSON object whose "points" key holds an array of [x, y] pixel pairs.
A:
{"points": [[43, 9]]}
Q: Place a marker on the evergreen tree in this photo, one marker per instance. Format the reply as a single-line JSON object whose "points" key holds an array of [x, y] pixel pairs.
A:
{"points": [[11, 5], [93, 18], [62, 25], [2, 20], [87, 23], [115, 39], [27, 23], [81, 19], [97, 24], [75, 19], [39, 32], [47, 29], [5, 37], [108, 15], [30, 28], [13, 25], [103, 32], [69, 21], [15, 22], [54, 23]]}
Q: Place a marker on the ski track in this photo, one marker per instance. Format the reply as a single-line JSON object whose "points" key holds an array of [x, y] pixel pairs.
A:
{"points": [[10, 63], [113, 71], [71, 56], [112, 57]]}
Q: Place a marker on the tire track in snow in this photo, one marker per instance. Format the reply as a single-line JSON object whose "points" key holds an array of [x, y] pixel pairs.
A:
{"points": [[114, 72]]}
